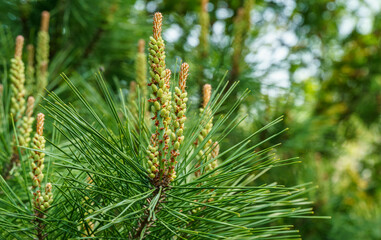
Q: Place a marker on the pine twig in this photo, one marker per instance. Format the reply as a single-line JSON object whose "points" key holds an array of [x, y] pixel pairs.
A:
{"points": [[41, 201]]}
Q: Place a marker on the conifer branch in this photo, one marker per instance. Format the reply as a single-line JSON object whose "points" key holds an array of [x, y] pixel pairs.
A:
{"points": [[141, 191], [178, 115], [17, 76], [169, 117], [206, 113], [158, 147], [25, 128], [41, 200], [17, 108]]}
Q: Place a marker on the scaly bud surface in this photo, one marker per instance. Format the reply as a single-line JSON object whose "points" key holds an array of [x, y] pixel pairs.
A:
{"points": [[25, 128], [168, 114], [141, 68], [207, 92], [179, 110], [158, 147], [17, 76], [37, 164], [206, 113]]}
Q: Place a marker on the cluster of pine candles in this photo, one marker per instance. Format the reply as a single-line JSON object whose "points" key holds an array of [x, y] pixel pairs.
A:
{"points": [[169, 117], [181, 179], [26, 85]]}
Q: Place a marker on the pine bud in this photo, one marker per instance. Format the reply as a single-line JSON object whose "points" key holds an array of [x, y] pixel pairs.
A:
{"points": [[180, 132], [19, 46], [173, 136], [40, 126], [26, 124], [29, 74], [206, 113], [161, 83], [42, 52], [40, 177], [164, 113], [160, 93], [184, 95], [36, 183], [157, 23], [176, 146], [207, 90], [168, 113], [17, 77], [37, 171], [183, 76], [154, 88], [37, 165], [45, 15]]}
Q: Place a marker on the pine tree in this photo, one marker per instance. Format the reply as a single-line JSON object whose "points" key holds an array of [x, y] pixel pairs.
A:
{"points": [[118, 174], [143, 184]]}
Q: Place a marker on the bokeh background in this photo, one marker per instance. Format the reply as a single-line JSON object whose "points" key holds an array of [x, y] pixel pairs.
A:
{"points": [[316, 62]]}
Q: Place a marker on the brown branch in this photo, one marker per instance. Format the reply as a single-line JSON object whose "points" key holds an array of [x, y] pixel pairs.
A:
{"points": [[145, 222], [40, 225]]}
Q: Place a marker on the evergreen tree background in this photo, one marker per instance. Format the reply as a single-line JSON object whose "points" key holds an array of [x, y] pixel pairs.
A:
{"points": [[314, 62]]}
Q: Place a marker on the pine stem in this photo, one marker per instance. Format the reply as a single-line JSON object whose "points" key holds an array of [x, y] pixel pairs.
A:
{"points": [[40, 225], [145, 223]]}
